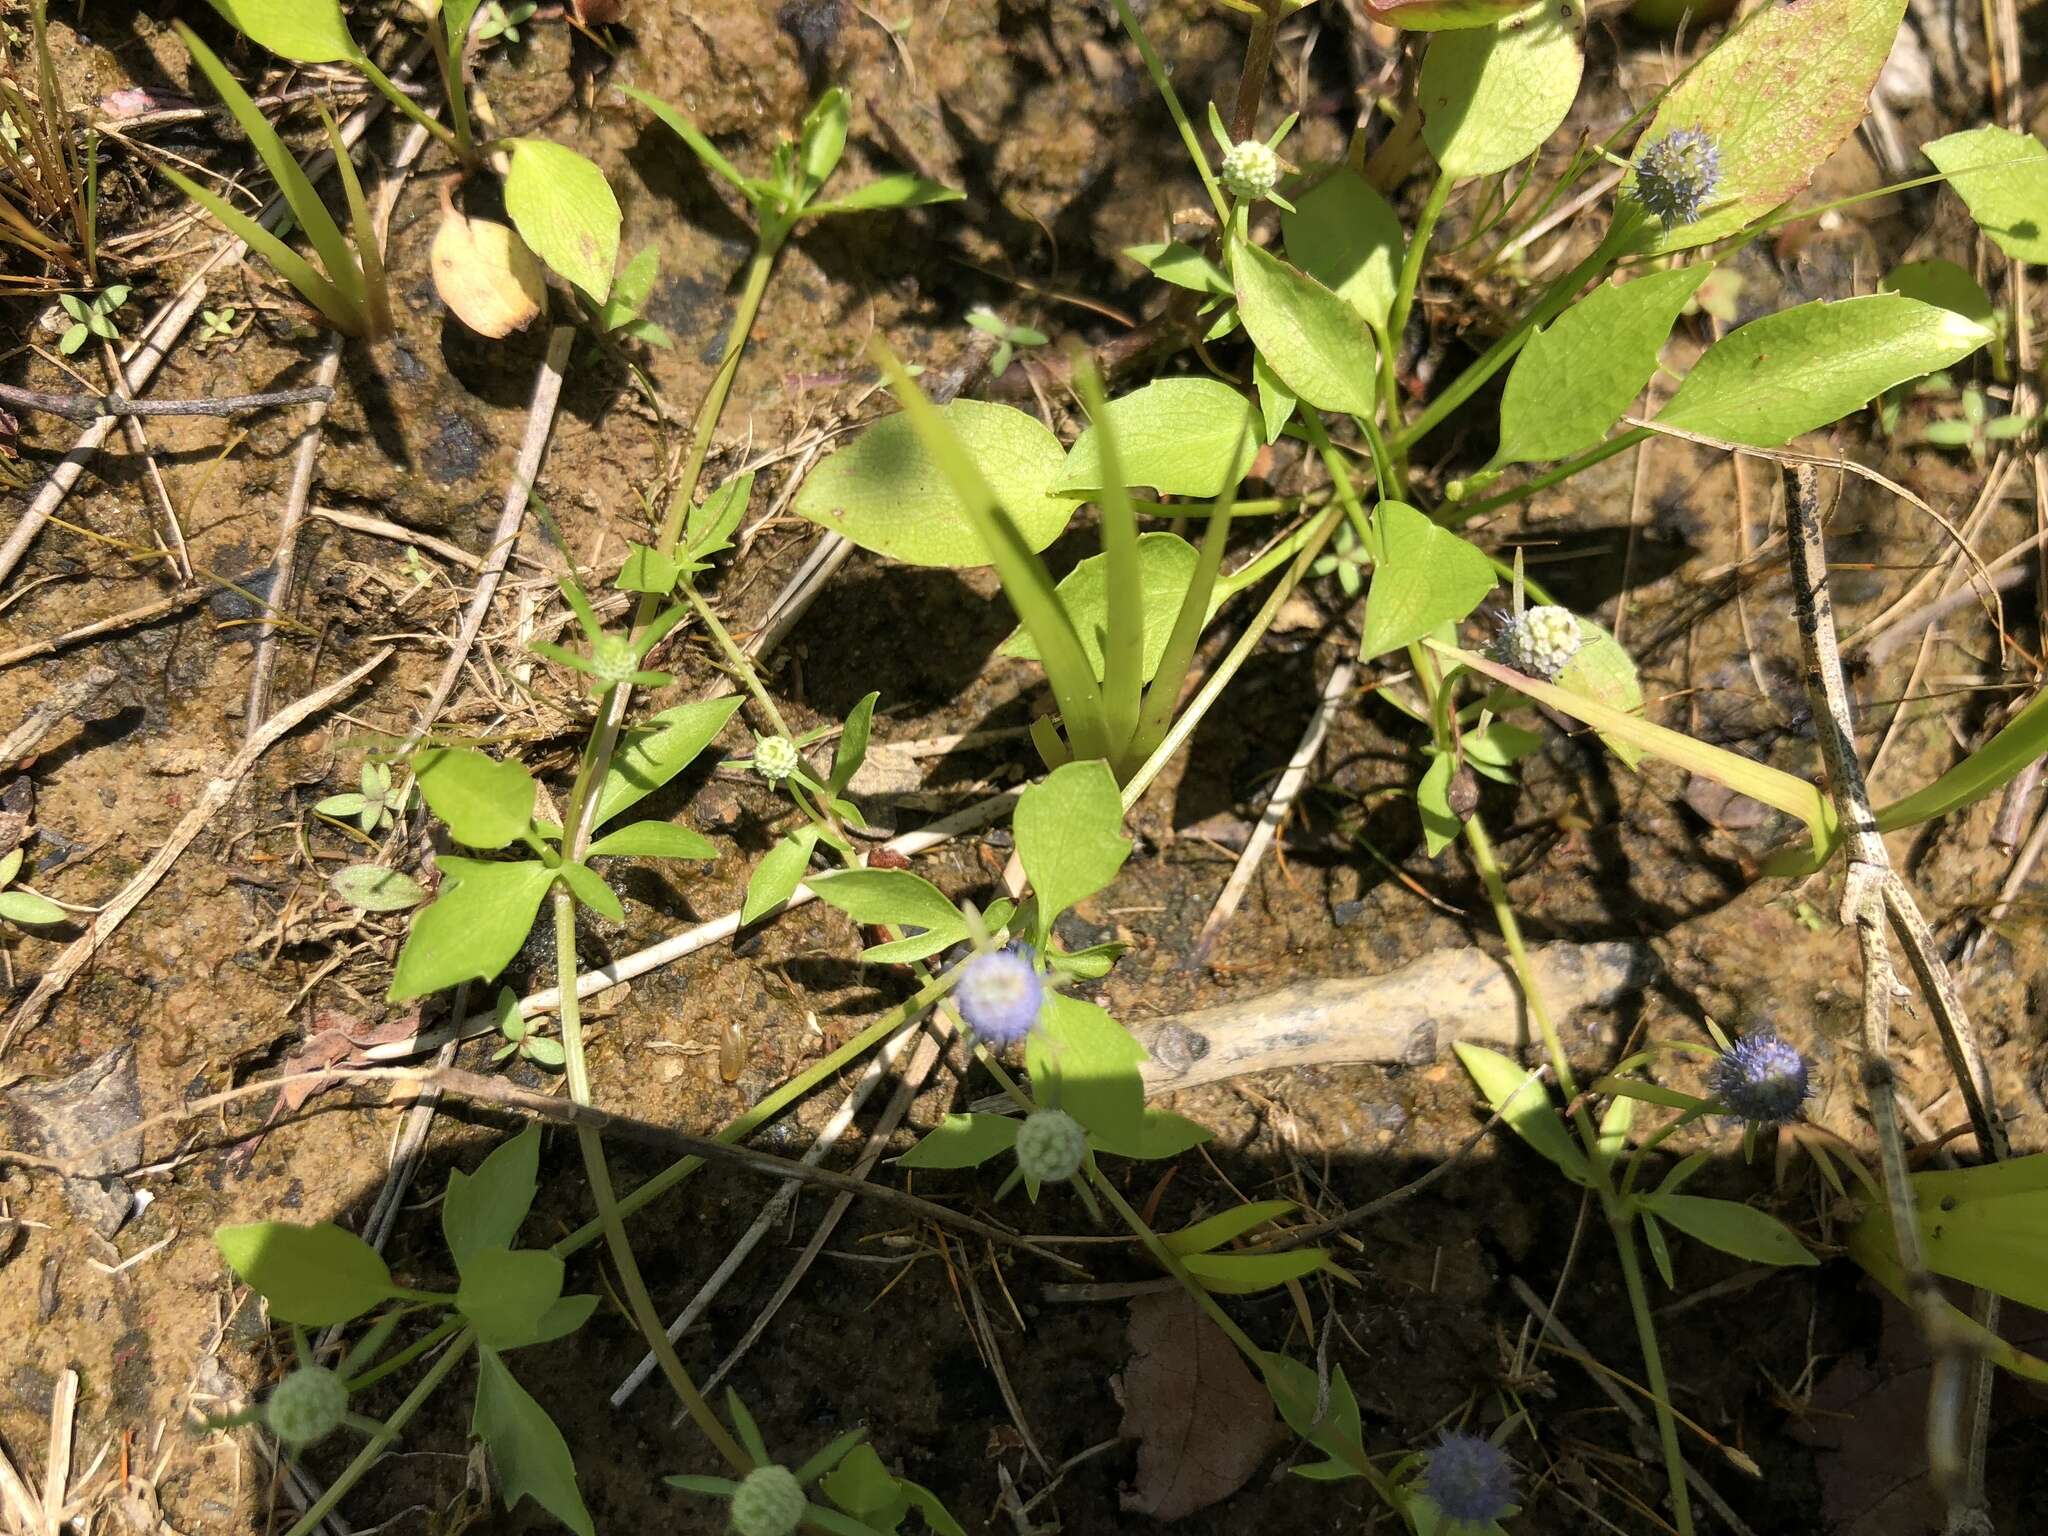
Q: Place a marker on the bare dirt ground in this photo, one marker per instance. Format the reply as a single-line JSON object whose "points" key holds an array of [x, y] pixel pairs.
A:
{"points": [[968, 1371]]}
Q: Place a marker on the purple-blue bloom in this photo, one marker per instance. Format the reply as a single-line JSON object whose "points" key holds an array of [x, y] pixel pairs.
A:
{"points": [[1762, 1078], [1000, 994], [1676, 175], [1470, 1478]]}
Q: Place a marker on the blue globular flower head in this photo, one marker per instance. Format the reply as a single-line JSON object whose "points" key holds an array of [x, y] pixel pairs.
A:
{"points": [[1251, 170], [1676, 175], [768, 1502], [1051, 1145], [1541, 642], [1000, 994], [308, 1405], [1762, 1078], [1470, 1479]]}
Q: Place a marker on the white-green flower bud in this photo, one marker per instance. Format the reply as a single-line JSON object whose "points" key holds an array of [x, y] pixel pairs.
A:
{"points": [[1051, 1145], [770, 1502], [1541, 642], [306, 1406], [613, 660], [1250, 171], [775, 758]]}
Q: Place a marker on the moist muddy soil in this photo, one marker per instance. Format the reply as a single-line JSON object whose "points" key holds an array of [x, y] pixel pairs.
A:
{"points": [[973, 1371]]}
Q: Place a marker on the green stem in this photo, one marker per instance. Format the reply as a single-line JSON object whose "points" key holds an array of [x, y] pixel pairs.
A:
{"points": [[599, 1173], [735, 657], [1167, 94], [1454, 513], [1653, 1368], [450, 60], [1411, 265], [1555, 298], [387, 1432], [403, 102], [405, 1356]]}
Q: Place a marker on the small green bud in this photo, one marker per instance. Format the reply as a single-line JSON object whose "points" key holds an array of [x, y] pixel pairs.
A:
{"points": [[614, 661], [1051, 1145], [775, 758], [1250, 171], [770, 1502], [306, 1406]]}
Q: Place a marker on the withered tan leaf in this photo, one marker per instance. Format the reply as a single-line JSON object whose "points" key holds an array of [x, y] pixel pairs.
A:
{"points": [[1202, 1420]]}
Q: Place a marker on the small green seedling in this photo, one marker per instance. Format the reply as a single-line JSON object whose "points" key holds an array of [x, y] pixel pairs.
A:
{"points": [[496, 20], [620, 315], [1008, 338], [18, 904], [373, 805], [519, 1038], [93, 319], [216, 325]]}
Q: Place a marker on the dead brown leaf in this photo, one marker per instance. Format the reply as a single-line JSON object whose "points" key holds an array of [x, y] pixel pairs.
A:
{"points": [[1202, 1420], [337, 1039]]}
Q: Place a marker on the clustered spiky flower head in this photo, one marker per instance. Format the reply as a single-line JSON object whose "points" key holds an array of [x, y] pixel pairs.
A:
{"points": [[1541, 642], [1470, 1479], [769, 1502], [1676, 175], [308, 1405], [1051, 1145], [1251, 170], [1000, 994], [612, 660], [775, 758], [1762, 1078]]}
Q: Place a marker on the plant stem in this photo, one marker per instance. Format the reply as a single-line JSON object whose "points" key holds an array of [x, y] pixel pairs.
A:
{"points": [[735, 657], [599, 1173], [1411, 267], [1553, 302], [1454, 513], [387, 1432], [1653, 1366], [1174, 110]]}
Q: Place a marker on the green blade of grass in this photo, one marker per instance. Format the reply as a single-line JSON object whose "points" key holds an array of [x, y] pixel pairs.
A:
{"points": [[292, 182], [1989, 768], [1123, 648], [1024, 577], [1179, 656], [346, 317], [369, 251]]}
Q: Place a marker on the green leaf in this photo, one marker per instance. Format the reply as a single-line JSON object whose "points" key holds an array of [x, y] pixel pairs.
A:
{"points": [[1347, 237], [374, 888], [10, 865], [486, 803], [779, 873], [315, 1275], [1761, 782], [2023, 740], [1160, 1133], [305, 31], [822, 139], [647, 570], [1311, 338], [506, 1292], [853, 745], [1574, 380], [654, 840], [2002, 178], [1944, 285], [1166, 568], [688, 132], [1802, 368], [1276, 401], [564, 210], [899, 898], [566, 1315], [1084, 1062], [899, 189], [475, 927], [1246, 1274], [1732, 1227], [590, 890], [1491, 95], [1069, 831], [1327, 1419], [650, 755], [963, 1141], [527, 1449], [1522, 1102], [1183, 437], [484, 1209], [1225, 1226], [1776, 96], [1660, 1251], [886, 492], [456, 16], [711, 522], [1426, 576], [1605, 673], [28, 907], [864, 1488], [1441, 826], [1182, 265]]}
